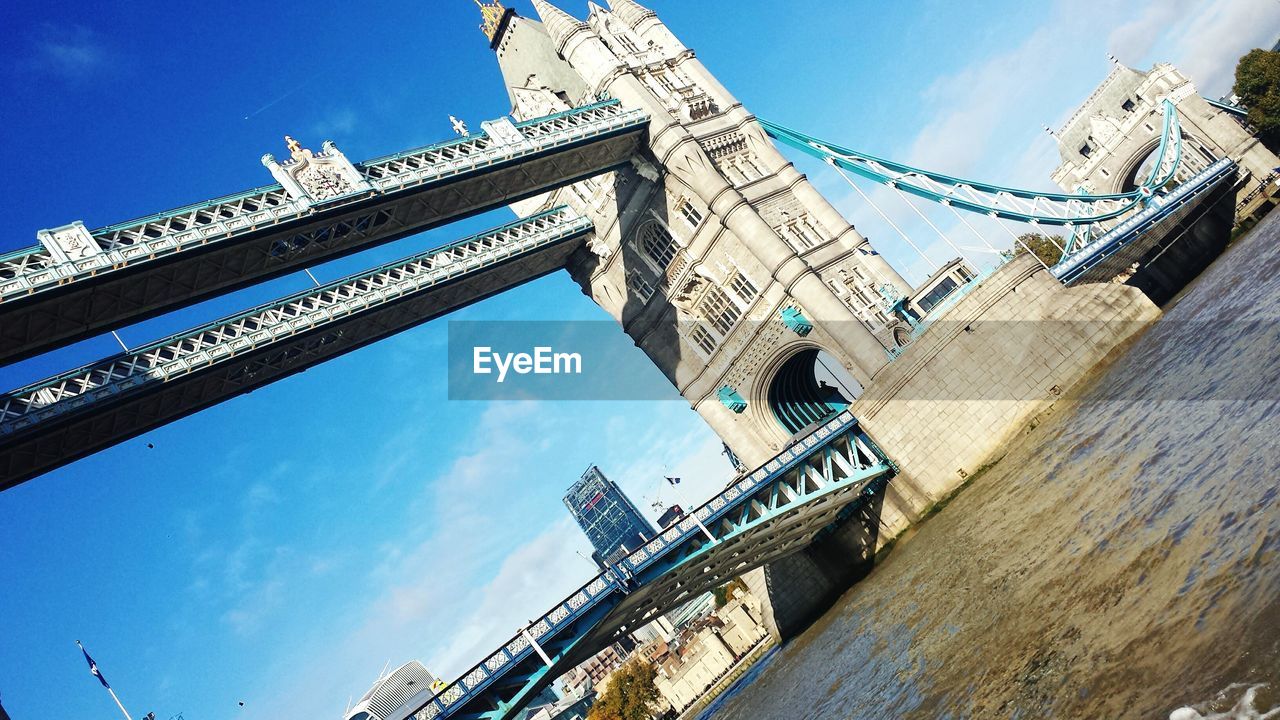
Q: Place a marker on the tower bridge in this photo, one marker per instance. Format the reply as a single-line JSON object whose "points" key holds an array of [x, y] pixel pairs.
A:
{"points": [[670, 205], [77, 283]]}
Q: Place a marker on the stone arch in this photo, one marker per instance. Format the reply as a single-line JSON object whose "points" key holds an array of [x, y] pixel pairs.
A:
{"points": [[1196, 156], [801, 385]]}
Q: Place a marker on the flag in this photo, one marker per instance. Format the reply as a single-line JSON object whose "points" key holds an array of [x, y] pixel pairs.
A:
{"points": [[93, 667], [673, 480]]}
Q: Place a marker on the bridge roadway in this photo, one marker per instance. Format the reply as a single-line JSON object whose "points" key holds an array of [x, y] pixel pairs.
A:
{"points": [[156, 264], [778, 509], [66, 417], [1142, 233]]}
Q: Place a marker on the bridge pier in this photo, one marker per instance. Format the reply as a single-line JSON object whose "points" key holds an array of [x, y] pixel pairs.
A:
{"points": [[1188, 250]]}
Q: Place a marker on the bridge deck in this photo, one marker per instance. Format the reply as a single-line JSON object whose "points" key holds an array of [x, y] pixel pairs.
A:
{"points": [[1133, 239], [767, 514], [156, 264], [51, 423]]}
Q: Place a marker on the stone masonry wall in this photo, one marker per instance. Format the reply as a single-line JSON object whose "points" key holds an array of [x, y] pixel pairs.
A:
{"points": [[1002, 355]]}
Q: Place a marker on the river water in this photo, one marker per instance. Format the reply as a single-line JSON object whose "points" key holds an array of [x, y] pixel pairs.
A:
{"points": [[1122, 561]]}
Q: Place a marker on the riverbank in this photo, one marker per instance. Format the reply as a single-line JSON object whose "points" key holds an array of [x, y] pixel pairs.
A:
{"points": [[1121, 560]]}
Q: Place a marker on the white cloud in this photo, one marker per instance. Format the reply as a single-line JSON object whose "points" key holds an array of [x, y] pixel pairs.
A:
{"points": [[71, 52], [1209, 41]]}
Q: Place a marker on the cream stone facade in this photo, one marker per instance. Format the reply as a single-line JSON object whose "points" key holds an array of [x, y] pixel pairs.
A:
{"points": [[727, 268], [1108, 143]]}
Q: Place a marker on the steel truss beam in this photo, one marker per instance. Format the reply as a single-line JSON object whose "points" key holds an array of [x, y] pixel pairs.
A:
{"points": [[146, 267], [1130, 241], [768, 514], [66, 417]]}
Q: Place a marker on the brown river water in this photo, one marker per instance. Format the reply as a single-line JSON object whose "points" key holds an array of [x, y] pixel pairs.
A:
{"points": [[1121, 561]]}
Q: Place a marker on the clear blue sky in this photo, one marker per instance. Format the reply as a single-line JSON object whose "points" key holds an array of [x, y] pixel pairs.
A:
{"points": [[279, 548]]}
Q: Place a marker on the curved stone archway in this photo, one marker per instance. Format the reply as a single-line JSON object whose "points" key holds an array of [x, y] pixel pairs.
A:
{"points": [[805, 386]]}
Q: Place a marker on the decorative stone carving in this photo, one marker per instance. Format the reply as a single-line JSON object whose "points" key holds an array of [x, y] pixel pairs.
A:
{"points": [[69, 242], [316, 177], [645, 169], [503, 132], [599, 247]]}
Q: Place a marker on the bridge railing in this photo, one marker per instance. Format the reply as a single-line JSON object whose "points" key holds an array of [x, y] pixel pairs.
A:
{"points": [[32, 269], [519, 649], [194, 349], [1089, 256]]}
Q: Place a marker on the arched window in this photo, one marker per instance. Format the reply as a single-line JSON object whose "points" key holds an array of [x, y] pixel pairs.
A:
{"points": [[657, 243]]}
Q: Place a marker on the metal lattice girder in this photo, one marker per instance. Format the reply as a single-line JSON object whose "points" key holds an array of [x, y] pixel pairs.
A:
{"points": [[1030, 206], [1130, 241], [770, 513], [156, 264], [66, 417]]}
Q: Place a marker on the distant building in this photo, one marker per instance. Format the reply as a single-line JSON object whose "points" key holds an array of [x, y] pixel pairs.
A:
{"points": [[546, 698], [668, 518], [611, 521], [395, 696], [567, 709]]}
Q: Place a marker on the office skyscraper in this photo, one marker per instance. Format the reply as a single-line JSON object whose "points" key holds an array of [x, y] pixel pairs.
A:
{"points": [[611, 521]]}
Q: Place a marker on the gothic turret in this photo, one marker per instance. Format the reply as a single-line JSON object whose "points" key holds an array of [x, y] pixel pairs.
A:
{"points": [[560, 24], [630, 12]]}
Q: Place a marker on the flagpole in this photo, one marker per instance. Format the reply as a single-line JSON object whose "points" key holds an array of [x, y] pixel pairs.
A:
{"points": [[675, 487], [119, 704], [93, 670]]}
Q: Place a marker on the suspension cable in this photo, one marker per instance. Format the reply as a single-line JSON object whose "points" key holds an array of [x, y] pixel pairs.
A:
{"points": [[892, 224]]}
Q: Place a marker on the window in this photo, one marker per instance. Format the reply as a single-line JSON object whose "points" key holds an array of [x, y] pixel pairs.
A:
{"points": [[665, 81], [658, 244], [703, 339], [627, 44], [937, 294], [639, 285], [1128, 106], [1085, 150], [690, 213], [743, 288], [719, 310]]}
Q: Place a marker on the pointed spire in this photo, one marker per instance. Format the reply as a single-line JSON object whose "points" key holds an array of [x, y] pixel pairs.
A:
{"points": [[631, 12], [492, 14], [560, 24]]}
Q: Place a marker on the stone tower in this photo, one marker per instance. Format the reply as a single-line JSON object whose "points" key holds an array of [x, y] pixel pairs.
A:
{"points": [[1110, 142], [720, 260]]}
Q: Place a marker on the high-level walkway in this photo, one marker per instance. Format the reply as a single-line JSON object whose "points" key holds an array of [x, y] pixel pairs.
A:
{"points": [[66, 417], [149, 266], [828, 476]]}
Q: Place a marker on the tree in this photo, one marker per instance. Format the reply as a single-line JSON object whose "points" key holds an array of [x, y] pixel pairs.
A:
{"points": [[725, 592], [630, 695], [1042, 245], [1258, 86]]}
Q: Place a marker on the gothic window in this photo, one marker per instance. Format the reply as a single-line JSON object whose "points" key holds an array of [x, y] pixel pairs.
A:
{"points": [[743, 288], [690, 214], [703, 338], [1085, 150], [657, 243], [627, 43], [1128, 106], [664, 80], [639, 285], [719, 310]]}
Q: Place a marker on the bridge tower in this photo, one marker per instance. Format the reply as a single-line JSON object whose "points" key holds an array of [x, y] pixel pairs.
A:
{"points": [[718, 258], [740, 281]]}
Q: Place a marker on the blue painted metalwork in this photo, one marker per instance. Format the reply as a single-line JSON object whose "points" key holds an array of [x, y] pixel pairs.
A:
{"points": [[1115, 250], [1029, 206], [731, 399], [796, 321], [837, 462]]}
